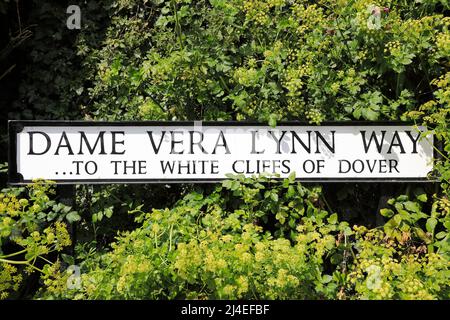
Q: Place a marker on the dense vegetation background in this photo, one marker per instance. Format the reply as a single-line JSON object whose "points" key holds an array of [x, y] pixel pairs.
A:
{"points": [[266, 60]]}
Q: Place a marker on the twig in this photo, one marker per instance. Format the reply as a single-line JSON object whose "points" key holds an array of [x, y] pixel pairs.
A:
{"points": [[18, 16], [7, 71]]}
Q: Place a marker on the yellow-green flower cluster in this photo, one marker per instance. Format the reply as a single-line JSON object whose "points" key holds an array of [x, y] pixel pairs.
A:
{"points": [[246, 77], [443, 44], [308, 18], [393, 47], [10, 279], [258, 11]]}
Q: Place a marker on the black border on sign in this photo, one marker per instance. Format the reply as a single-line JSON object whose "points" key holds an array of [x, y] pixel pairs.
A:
{"points": [[16, 126]]}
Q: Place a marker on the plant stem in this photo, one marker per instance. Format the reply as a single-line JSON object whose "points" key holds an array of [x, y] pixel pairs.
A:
{"points": [[177, 24], [13, 254]]}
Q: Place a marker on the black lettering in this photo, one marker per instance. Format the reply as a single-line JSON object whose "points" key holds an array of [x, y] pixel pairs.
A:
{"points": [[285, 164], [393, 165], [398, 143], [47, 138], [361, 165], [94, 169], [167, 166], [414, 141], [174, 142], [340, 166], [115, 162], [199, 144], [65, 145], [115, 142], [373, 136], [312, 166], [382, 166], [224, 143], [296, 137], [319, 136], [234, 166], [150, 135], [91, 149], [254, 144], [277, 141]]}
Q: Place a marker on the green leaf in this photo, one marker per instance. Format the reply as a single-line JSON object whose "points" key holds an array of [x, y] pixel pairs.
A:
{"points": [[431, 225], [336, 258], [109, 212], [441, 235], [398, 219], [292, 177], [227, 184], [290, 192], [273, 120], [326, 278], [422, 198], [68, 259], [386, 213], [333, 218], [274, 196], [73, 216], [369, 114], [398, 206], [422, 235], [412, 206]]}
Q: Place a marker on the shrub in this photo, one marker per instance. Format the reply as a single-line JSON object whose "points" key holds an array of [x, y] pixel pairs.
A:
{"points": [[220, 245]]}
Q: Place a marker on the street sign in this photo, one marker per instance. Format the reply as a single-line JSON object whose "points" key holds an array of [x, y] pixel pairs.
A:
{"points": [[76, 152]]}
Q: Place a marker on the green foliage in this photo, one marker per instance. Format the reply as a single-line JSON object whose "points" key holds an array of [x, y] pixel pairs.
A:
{"points": [[263, 60], [31, 227], [266, 60], [388, 269], [219, 245], [239, 59]]}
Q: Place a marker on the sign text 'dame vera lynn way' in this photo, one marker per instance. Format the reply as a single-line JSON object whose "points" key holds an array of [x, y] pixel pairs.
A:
{"points": [[101, 152]]}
